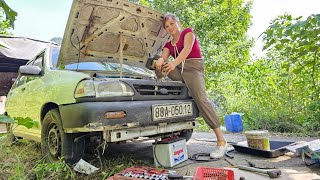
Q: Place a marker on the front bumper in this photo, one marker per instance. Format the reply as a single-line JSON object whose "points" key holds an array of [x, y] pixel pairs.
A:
{"points": [[132, 133], [90, 116]]}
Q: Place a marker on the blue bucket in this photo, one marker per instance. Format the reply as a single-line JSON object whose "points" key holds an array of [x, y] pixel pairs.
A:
{"points": [[233, 123]]}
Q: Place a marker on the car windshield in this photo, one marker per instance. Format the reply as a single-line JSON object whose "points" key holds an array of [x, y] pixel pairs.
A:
{"points": [[99, 66]]}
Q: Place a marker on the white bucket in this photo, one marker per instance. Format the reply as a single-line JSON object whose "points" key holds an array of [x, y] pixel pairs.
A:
{"points": [[258, 139]]}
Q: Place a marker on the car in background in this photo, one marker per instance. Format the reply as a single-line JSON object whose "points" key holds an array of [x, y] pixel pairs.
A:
{"points": [[96, 87]]}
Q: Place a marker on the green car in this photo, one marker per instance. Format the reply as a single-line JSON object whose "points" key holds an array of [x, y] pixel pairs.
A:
{"points": [[96, 87]]}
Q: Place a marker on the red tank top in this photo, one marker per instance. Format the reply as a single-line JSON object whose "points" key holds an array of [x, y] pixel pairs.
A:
{"points": [[195, 52]]}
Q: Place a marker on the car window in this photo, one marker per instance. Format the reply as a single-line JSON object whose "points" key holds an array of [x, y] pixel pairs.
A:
{"points": [[38, 61], [55, 56], [104, 66]]}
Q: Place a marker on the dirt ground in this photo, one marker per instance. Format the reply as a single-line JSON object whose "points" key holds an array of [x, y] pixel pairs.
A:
{"points": [[292, 167]]}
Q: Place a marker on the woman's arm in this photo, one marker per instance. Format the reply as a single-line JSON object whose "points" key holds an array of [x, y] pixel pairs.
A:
{"points": [[165, 54], [164, 58], [189, 39]]}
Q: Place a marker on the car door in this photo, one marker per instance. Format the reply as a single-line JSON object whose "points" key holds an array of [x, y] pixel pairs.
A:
{"points": [[33, 96], [15, 104], [30, 101]]}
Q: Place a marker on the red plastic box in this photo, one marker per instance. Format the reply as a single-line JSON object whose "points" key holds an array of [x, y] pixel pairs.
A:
{"points": [[205, 173]]}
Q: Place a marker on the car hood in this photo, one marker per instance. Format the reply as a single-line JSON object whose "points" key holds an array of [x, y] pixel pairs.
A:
{"points": [[95, 27]]}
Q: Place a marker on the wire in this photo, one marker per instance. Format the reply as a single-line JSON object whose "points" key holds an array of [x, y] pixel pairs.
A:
{"points": [[198, 161], [230, 142]]}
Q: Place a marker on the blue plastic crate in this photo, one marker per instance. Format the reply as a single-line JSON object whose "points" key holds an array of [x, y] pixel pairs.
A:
{"points": [[233, 123]]}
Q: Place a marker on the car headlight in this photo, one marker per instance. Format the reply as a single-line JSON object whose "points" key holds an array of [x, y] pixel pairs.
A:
{"points": [[85, 89], [113, 89]]}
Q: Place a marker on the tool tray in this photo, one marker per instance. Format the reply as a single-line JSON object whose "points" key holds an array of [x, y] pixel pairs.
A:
{"points": [[277, 148]]}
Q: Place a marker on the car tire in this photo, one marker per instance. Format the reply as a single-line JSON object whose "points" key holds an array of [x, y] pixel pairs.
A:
{"points": [[186, 134], [55, 143]]}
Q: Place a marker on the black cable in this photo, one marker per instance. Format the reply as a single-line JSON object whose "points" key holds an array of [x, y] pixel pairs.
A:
{"points": [[229, 142], [197, 161]]}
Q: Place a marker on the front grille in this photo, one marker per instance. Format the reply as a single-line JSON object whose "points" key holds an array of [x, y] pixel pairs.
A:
{"points": [[152, 90]]}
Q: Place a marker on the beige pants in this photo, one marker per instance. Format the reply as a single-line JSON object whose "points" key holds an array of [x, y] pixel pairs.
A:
{"points": [[193, 77]]}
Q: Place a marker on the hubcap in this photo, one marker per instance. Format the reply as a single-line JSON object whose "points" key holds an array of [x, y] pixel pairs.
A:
{"points": [[54, 141]]}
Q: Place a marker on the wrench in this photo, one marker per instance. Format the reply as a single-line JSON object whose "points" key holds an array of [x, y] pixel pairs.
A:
{"points": [[272, 173]]}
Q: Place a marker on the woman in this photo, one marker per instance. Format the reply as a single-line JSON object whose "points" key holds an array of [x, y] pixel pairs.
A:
{"points": [[187, 67]]}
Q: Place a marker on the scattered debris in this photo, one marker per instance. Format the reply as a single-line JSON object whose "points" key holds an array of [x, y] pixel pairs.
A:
{"points": [[310, 149], [298, 146], [84, 167]]}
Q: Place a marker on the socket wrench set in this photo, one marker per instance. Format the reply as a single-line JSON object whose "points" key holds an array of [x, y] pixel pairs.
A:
{"points": [[135, 173]]}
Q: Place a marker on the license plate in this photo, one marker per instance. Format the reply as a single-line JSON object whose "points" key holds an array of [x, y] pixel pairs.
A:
{"points": [[167, 111]]}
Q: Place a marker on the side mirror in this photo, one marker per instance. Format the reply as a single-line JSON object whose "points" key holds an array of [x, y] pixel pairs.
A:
{"points": [[30, 70]]}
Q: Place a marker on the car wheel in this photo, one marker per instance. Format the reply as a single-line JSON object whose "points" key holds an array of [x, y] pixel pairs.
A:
{"points": [[55, 143], [186, 134]]}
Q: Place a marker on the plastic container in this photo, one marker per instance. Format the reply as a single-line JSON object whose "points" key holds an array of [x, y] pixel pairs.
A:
{"points": [[205, 173], [258, 139], [233, 123]]}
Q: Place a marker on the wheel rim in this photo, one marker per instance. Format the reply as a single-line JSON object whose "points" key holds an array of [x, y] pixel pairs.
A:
{"points": [[54, 141]]}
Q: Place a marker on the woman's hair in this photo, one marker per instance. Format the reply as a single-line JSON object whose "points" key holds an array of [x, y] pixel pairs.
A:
{"points": [[167, 16]]}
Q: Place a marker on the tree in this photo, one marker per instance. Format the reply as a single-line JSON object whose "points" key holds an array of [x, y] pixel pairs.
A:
{"points": [[298, 43], [4, 26], [10, 14], [282, 89], [7, 22]]}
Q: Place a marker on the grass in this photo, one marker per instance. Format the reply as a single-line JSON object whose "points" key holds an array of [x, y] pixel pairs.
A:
{"points": [[17, 159], [23, 160]]}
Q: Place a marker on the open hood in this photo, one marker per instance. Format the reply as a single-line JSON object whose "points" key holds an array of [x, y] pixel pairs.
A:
{"points": [[95, 27]]}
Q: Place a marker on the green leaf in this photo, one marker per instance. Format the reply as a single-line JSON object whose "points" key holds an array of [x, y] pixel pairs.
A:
{"points": [[309, 64], [10, 14], [284, 74], [303, 53], [279, 46], [283, 41], [297, 71], [27, 122], [23, 141], [6, 119]]}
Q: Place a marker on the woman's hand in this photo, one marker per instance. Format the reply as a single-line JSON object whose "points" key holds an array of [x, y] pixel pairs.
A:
{"points": [[168, 67], [159, 64]]}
